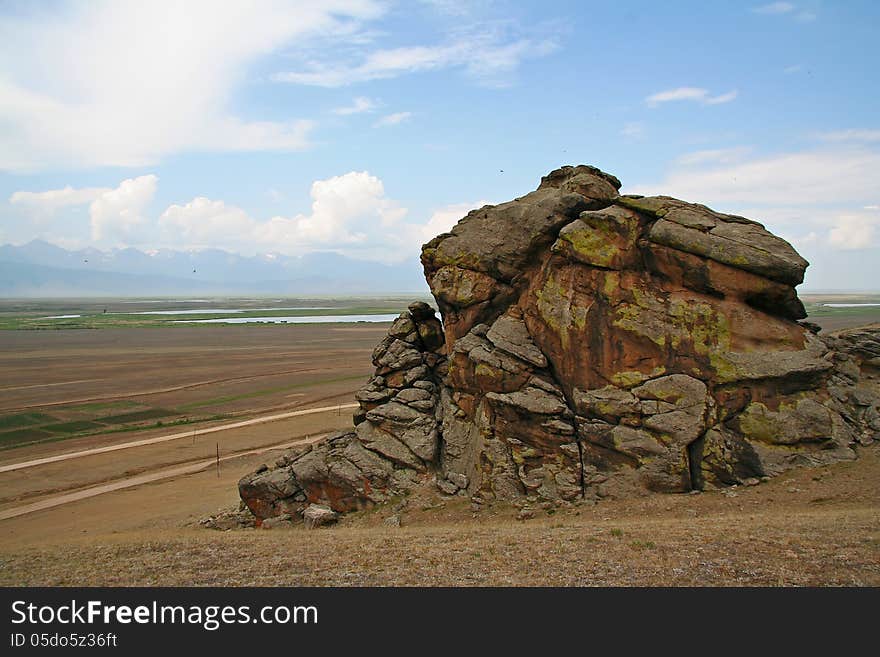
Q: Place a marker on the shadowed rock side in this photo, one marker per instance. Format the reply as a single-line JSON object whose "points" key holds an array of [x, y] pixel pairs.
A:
{"points": [[592, 342]]}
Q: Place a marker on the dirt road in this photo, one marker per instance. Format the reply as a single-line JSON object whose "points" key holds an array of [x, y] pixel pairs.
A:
{"points": [[166, 473], [174, 436]]}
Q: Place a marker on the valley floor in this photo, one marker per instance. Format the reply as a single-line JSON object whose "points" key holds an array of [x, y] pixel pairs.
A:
{"points": [[812, 527]]}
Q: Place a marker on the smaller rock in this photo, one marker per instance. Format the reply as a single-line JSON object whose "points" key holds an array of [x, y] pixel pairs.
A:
{"points": [[393, 521], [276, 521], [317, 515], [862, 397], [525, 514], [459, 480], [447, 486], [420, 310], [751, 481]]}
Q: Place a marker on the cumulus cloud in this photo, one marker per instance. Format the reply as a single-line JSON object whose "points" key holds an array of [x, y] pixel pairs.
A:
{"points": [[345, 209], [813, 177], [124, 82], [116, 213], [43, 205], [443, 219], [852, 231], [692, 94], [392, 119], [203, 223], [824, 192], [350, 214]]}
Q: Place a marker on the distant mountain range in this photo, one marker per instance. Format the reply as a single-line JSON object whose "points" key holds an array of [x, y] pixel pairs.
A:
{"points": [[40, 269]]}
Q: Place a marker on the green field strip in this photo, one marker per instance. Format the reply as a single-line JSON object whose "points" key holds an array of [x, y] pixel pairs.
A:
{"points": [[22, 436], [24, 420]]}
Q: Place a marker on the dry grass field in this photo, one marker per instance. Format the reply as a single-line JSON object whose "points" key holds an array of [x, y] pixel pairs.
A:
{"points": [[815, 526]]}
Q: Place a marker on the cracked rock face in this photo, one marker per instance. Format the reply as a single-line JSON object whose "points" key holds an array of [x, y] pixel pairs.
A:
{"points": [[591, 339]]}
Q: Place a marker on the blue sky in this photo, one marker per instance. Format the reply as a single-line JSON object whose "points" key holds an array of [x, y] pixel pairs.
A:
{"points": [[366, 127]]}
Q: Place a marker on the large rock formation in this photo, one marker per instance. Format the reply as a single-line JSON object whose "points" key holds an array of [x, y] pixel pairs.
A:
{"points": [[592, 341]]}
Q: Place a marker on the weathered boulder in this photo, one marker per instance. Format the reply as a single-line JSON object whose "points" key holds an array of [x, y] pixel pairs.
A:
{"points": [[590, 338], [318, 515]]}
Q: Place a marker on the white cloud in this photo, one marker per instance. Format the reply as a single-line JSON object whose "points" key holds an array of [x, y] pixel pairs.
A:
{"points": [[360, 105], [487, 53], [837, 227], [117, 213], [850, 135], [43, 205], [350, 214], [125, 82], [443, 220], [815, 177], [852, 231], [392, 119], [203, 223], [344, 211], [694, 94], [826, 193], [796, 68], [775, 8], [114, 213]]}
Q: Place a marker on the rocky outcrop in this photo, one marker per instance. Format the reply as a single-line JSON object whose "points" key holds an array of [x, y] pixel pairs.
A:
{"points": [[591, 342]]}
